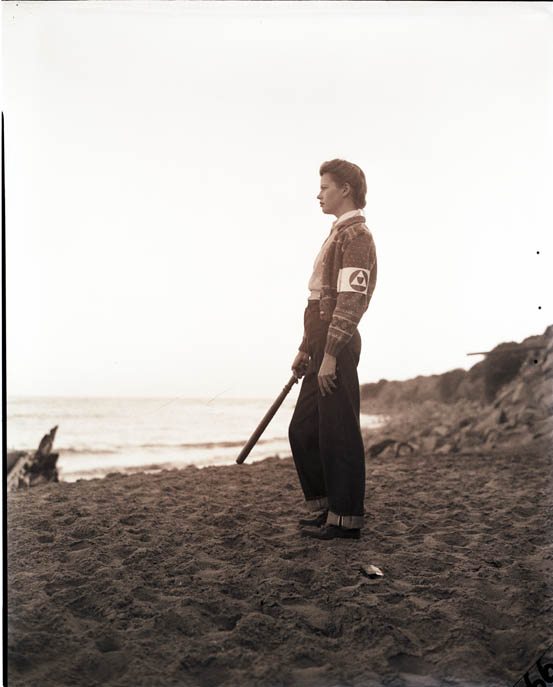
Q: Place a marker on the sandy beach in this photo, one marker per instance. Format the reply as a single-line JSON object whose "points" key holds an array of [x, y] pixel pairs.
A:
{"points": [[200, 577]]}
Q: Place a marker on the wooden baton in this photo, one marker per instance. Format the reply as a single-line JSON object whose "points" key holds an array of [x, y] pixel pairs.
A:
{"points": [[266, 419]]}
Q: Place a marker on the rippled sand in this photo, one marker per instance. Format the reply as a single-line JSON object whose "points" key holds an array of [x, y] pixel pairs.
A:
{"points": [[200, 577]]}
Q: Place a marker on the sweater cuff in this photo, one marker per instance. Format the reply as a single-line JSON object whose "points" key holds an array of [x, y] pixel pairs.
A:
{"points": [[334, 345]]}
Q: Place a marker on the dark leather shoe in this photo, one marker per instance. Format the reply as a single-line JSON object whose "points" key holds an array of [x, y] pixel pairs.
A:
{"points": [[319, 521], [333, 532]]}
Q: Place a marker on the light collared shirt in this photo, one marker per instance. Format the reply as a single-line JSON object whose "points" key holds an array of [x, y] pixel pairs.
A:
{"points": [[316, 280]]}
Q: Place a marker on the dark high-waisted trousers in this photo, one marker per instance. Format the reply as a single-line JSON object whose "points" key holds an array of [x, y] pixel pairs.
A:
{"points": [[325, 436]]}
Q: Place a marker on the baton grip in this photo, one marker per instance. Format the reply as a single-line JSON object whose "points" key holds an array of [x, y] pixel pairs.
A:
{"points": [[266, 419]]}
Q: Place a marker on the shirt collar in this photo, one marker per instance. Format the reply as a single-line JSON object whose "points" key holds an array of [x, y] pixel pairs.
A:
{"points": [[347, 215]]}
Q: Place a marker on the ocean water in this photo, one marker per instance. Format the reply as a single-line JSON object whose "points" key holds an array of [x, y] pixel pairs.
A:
{"points": [[97, 436]]}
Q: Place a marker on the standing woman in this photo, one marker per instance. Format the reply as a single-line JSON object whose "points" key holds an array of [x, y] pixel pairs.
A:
{"points": [[325, 435]]}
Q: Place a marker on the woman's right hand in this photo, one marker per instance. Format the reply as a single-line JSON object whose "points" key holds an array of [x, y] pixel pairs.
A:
{"points": [[299, 366]]}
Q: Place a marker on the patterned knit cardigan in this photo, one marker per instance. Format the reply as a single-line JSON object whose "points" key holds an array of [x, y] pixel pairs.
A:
{"points": [[349, 278]]}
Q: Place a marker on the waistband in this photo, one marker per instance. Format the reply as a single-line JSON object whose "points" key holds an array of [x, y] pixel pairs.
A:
{"points": [[313, 303]]}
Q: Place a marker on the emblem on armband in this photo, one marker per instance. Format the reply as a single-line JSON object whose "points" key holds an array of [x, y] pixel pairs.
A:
{"points": [[353, 279]]}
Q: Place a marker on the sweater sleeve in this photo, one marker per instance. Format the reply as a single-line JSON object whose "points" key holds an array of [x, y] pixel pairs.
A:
{"points": [[304, 346], [355, 285]]}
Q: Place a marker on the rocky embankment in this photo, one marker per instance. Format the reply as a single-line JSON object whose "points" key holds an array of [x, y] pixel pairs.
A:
{"points": [[507, 398]]}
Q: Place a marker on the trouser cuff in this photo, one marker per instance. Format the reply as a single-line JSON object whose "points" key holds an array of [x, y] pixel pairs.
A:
{"points": [[317, 504], [349, 522]]}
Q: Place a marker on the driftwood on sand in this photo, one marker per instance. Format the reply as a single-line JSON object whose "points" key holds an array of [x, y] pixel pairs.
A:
{"points": [[27, 468]]}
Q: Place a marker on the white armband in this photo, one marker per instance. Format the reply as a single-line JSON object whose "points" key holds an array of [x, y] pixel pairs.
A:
{"points": [[353, 279]]}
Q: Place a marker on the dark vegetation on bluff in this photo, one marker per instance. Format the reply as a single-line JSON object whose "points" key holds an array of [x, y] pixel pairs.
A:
{"points": [[505, 398]]}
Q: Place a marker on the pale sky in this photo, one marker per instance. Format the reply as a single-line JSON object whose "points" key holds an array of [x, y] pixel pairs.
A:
{"points": [[162, 170]]}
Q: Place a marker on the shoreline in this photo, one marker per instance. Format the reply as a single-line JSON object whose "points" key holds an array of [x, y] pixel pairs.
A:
{"points": [[200, 577], [76, 464]]}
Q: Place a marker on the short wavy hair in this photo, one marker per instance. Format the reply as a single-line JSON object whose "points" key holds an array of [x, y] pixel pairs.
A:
{"points": [[344, 172]]}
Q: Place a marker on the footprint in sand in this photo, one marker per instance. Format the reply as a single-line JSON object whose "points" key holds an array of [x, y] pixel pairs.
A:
{"points": [[83, 532], [45, 538], [107, 642], [69, 520], [395, 527], [80, 544], [299, 552], [437, 541], [303, 575], [406, 663], [64, 583], [145, 594], [315, 618], [311, 676], [86, 606], [303, 660], [453, 539], [99, 668], [44, 525], [131, 520]]}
